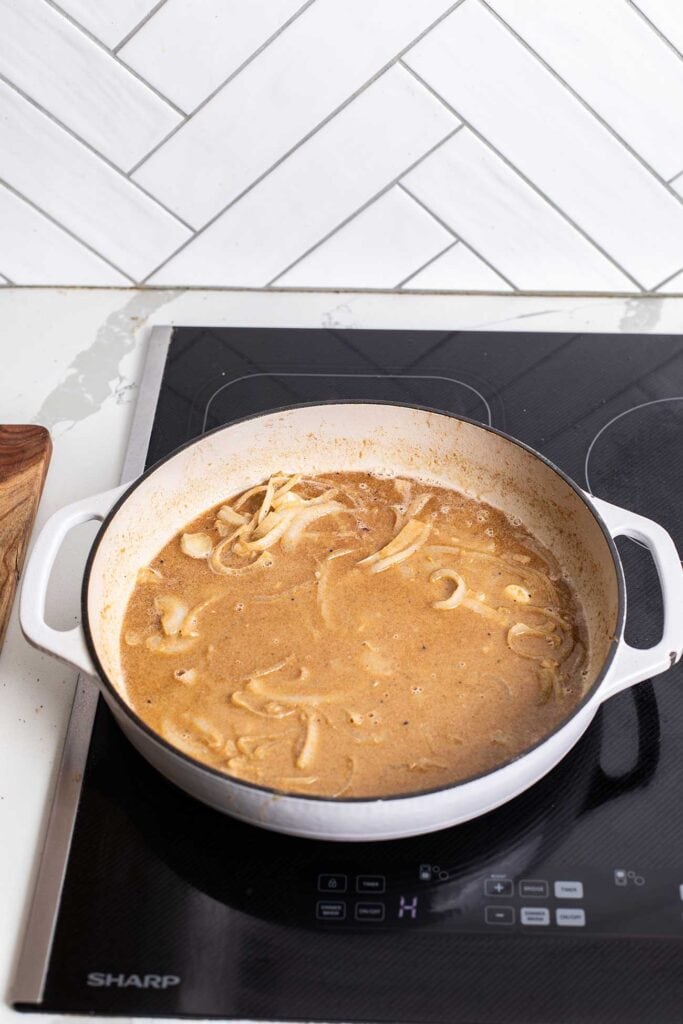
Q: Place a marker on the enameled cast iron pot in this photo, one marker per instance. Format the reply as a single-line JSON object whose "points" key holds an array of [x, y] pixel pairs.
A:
{"points": [[139, 518]]}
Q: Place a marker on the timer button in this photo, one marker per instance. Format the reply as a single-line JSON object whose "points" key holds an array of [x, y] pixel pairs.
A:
{"points": [[569, 890], [370, 883]]}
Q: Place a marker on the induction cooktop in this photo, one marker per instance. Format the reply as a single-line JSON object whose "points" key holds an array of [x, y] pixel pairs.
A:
{"points": [[565, 905]]}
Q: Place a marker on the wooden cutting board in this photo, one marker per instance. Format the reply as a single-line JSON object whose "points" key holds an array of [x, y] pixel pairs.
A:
{"points": [[24, 457]]}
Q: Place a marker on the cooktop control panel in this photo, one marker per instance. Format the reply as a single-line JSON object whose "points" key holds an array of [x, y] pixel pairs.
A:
{"points": [[620, 901]]}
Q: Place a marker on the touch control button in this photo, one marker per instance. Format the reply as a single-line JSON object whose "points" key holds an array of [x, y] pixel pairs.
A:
{"points": [[330, 910], [533, 887], [499, 915], [332, 883], [498, 887], [370, 883], [571, 917], [369, 911], [534, 915], [569, 890]]}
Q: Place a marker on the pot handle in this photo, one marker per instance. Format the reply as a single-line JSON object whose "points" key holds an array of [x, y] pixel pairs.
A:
{"points": [[632, 664], [68, 645]]}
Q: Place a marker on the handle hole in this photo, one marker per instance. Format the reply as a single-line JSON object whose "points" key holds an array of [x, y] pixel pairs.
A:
{"points": [[63, 602], [645, 613]]}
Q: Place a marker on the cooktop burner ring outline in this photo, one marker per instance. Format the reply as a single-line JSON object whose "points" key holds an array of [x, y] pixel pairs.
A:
{"points": [[352, 376], [606, 426]]}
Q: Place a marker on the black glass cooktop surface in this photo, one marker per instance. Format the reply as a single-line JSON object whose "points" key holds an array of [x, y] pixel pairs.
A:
{"points": [[566, 905]]}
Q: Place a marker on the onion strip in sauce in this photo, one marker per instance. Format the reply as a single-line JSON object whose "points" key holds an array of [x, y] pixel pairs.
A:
{"points": [[278, 526], [311, 739], [240, 700], [264, 561], [458, 594], [304, 518], [228, 515], [172, 612]]}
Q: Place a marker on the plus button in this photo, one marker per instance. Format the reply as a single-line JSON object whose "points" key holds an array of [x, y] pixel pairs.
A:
{"points": [[498, 887]]}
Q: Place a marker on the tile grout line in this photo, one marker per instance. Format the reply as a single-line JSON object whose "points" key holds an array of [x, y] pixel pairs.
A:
{"points": [[655, 29], [136, 28], [584, 103], [667, 279], [377, 195], [365, 205], [260, 49], [675, 177], [461, 237], [424, 266], [91, 149], [68, 231], [233, 74], [7, 280], [102, 46], [309, 135], [551, 202]]}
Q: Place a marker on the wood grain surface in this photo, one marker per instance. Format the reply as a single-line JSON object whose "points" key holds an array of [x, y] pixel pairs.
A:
{"points": [[24, 457]]}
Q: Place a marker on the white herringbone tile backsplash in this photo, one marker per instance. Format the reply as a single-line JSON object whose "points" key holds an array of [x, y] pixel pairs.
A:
{"points": [[477, 145]]}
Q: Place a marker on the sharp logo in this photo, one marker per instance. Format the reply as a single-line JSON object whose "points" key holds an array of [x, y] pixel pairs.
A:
{"points": [[101, 980]]}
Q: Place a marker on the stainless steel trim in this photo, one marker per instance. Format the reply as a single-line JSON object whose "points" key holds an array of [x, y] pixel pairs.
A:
{"points": [[28, 985]]}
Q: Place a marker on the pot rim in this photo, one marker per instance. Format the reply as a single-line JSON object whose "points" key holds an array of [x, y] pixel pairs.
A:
{"points": [[370, 800]]}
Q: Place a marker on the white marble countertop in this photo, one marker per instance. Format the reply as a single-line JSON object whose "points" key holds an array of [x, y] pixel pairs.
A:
{"points": [[71, 361]]}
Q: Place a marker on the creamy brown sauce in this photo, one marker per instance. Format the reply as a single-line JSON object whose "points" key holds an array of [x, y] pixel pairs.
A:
{"points": [[304, 654]]}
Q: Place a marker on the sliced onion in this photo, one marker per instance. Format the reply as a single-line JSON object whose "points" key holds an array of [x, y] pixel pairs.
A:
{"points": [[278, 523], [172, 611], [325, 496], [303, 519], [148, 575], [424, 764], [181, 739], [190, 623], [499, 615], [241, 700], [196, 545], [228, 515], [520, 629], [267, 502], [264, 561], [520, 595], [411, 532], [186, 675], [208, 732], [249, 494], [286, 487], [287, 500], [168, 644], [458, 594], [401, 556], [310, 741], [258, 673]]}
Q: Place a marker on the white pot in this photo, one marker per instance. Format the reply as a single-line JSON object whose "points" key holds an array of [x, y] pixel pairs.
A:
{"points": [[139, 519]]}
